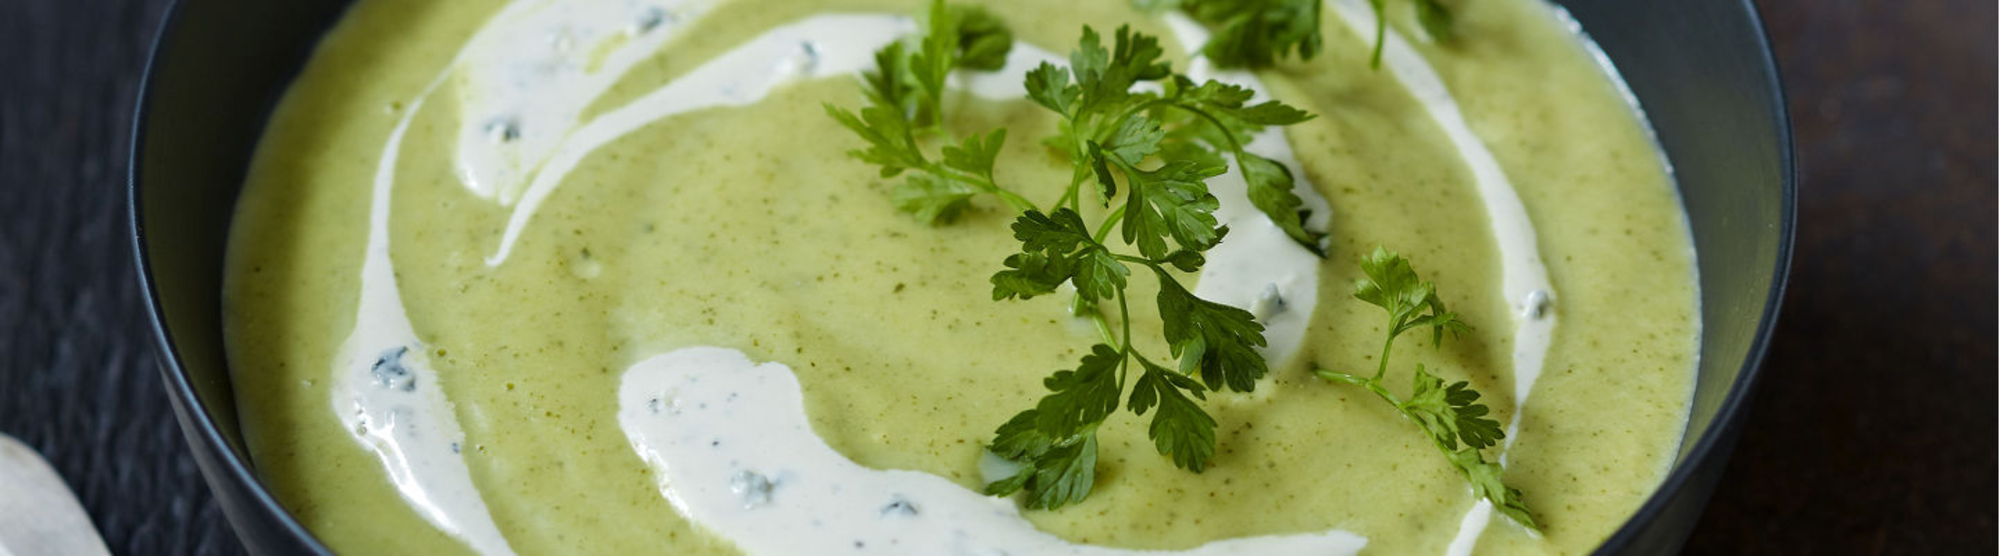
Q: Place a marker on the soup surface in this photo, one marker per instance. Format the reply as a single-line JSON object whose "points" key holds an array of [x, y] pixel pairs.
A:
{"points": [[510, 277]]}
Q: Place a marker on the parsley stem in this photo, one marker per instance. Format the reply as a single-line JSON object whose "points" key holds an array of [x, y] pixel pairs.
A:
{"points": [[984, 183], [1340, 376], [1382, 366], [1103, 327], [1234, 146], [1072, 195], [1375, 385], [1125, 351], [1020, 204], [1447, 412], [1104, 229], [1134, 111], [1155, 265], [1075, 199], [1125, 319], [1084, 308]]}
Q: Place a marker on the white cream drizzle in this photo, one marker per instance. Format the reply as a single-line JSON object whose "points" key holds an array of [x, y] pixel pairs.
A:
{"points": [[823, 45], [820, 46], [735, 453], [384, 389], [529, 73], [387, 394], [1524, 278]]}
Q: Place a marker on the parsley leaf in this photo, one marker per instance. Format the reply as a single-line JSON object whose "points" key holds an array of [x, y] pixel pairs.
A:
{"points": [[1048, 85], [1435, 19], [1254, 33], [1232, 102], [1058, 472], [1270, 190], [957, 37], [1105, 78], [983, 40], [931, 198], [976, 155], [1107, 130], [1057, 233], [1099, 274], [1134, 140], [1485, 479], [1218, 340], [1057, 248], [1082, 397], [1019, 438], [1065, 474], [1056, 475], [1030, 274], [1411, 302], [890, 144], [1180, 428], [905, 92], [1057, 440], [1227, 108], [1450, 414], [1257, 33], [1171, 202]]}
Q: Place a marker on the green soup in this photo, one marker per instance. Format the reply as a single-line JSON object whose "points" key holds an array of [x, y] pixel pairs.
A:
{"points": [[747, 226]]}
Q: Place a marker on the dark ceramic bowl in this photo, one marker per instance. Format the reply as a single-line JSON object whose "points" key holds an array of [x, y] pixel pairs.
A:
{"points": [[1701, 69]]}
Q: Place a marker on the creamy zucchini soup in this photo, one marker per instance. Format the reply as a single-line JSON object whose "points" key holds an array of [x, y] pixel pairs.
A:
{"points": [[1026, 277]]}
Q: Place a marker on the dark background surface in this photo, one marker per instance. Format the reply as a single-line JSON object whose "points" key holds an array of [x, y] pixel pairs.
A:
{"points": [[1874, 430]]}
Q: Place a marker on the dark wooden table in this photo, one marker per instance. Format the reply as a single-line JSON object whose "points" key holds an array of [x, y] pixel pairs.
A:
{"points": [[1874, 431]]}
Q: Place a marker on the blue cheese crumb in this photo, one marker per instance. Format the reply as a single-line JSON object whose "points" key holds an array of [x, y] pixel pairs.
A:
{"points": [[503, 130], [1269, 302], [1537, 305], [651, 18], [754, 487], [390, 373], [899, 507]]}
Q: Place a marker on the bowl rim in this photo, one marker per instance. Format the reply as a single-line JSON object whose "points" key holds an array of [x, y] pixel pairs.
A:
{"points": [[199, 425], [195, 420]]}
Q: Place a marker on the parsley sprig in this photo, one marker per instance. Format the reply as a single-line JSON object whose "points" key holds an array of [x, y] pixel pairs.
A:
{"points": [[1107, 128], [906, 108], [1256, 33], [1448, 413], [1147, 156], [1162, 147]]}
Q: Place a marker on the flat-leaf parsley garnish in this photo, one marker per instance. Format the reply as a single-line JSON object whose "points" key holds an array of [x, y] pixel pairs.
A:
{"points": [[1450, 414], [1257, 33], [906, 103], [1147, 157]]}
